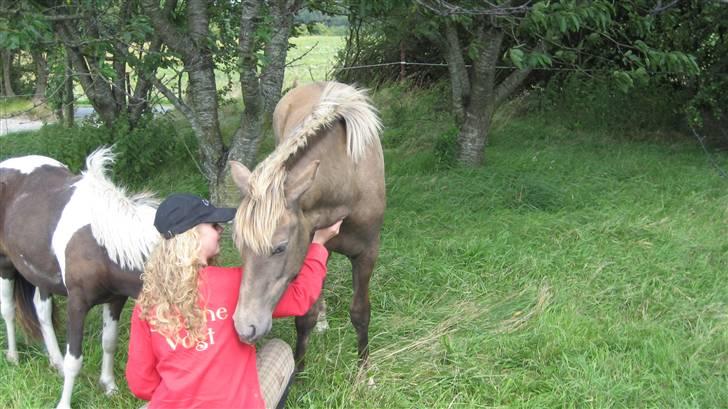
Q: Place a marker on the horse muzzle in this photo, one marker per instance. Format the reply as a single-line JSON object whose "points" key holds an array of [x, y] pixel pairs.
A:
{"points": [[252, 331]]}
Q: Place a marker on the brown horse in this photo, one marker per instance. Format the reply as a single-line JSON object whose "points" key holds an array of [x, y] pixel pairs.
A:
{"points": [[77, 236], [327, 165]]}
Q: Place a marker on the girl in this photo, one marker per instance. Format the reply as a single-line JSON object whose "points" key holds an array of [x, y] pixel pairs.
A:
{"points": [[183, 348]]}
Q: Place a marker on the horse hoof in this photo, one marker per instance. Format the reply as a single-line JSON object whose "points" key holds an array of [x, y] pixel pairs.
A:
{"points": [[322, 326], [371, 384], [12, 357], [109, 386]]}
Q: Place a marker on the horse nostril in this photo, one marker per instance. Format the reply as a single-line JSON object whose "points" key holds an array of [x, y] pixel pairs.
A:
{"points": [[252, 331]]}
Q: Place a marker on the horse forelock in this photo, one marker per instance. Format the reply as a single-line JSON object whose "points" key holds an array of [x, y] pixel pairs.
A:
{"points": [[259, 213], [122, 224]]}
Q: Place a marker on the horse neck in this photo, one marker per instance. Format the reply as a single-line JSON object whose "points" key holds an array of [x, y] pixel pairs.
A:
{"points": [[332, 193]]}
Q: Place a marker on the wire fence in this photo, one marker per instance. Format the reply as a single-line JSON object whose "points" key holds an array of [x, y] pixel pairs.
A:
{"points": [[19, 121]]}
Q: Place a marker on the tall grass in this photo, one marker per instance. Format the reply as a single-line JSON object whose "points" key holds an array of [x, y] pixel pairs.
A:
{"points": [[575, 269]]}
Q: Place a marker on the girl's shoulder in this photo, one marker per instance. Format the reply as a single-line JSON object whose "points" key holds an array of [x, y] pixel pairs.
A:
{"points": [[223, 274], [223, 270]]}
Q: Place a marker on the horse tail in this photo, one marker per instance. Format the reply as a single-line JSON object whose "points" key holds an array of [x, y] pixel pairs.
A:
{"points": [[354, 107], [26, 315]]}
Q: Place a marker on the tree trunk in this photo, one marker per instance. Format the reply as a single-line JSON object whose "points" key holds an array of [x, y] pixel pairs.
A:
{"points": [[118, 86], [41, 77], [245, 142], [473, 138], [7, 57], [276, 50], [204, 104], [197, 59], [99, 93], [68, 99], [481, 105], [459, 81]]}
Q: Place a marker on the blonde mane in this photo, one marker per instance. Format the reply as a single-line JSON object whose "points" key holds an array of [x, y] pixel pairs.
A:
{"points": [[259, 213], [123, 224]]}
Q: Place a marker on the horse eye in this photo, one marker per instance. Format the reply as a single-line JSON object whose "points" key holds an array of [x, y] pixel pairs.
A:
{"points": [[279, 249]]}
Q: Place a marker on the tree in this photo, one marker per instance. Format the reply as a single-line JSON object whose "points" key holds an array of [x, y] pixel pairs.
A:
{"points": [[41, 76], [492, 47], [264, 25], [261, 92], [93, 36], [700, 28]]}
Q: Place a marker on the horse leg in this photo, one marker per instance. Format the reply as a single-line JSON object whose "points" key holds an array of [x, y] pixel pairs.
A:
{"points": [[44, 308], [322, 324], [112, 312], [360, 311], [77, 310], [7, 305], [304, 325]]}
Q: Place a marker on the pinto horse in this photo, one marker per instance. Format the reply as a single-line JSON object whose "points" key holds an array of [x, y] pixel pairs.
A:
{"points": [[327, 165], [73, 235]]}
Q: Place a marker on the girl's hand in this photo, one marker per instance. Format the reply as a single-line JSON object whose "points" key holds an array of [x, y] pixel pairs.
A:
{"points": [[327, 233]]}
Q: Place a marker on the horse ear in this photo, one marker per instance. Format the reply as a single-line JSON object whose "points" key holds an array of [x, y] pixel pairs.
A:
{"points": [[295, 188], [241, 176]]}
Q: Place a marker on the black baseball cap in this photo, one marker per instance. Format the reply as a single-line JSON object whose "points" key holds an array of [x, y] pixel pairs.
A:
{"points": [[181, 211]]}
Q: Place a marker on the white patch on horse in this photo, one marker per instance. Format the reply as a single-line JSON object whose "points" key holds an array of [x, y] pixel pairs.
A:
{"points": [[44, 310], [28, 164], [123, 225], [108, 342], [71, 368], [7, 305], [73, 218]]}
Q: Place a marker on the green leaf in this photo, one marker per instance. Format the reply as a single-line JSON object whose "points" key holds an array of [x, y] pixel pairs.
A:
{"points": [[624, 81], [562, 24], [107, 71], [516, 56]]}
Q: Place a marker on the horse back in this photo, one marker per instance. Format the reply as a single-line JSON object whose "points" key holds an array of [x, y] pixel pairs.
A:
{"points": [[31, 205], [294, 107]]}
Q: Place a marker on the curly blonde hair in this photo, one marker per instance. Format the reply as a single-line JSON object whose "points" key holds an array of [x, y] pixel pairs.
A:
{"points": [[170, 300]]}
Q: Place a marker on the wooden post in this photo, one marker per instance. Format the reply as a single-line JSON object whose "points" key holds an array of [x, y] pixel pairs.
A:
{"points": [[401, 62]]}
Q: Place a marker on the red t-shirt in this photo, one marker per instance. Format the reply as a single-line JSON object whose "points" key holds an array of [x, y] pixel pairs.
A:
{"points": [[218, 372]]}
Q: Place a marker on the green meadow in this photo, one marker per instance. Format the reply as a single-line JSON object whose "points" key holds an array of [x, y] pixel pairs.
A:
{"points": [[579, 268]]}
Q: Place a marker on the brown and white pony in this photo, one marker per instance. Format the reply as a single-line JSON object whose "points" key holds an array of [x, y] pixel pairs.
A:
{"points": [[77, 236], [327, 165]]}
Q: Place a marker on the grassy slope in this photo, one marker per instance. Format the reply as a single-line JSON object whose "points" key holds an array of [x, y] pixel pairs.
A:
{"points": [[576, 269]]}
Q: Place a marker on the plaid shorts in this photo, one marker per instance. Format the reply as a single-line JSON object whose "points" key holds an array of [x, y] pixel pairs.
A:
{"points": [[275, 366]]}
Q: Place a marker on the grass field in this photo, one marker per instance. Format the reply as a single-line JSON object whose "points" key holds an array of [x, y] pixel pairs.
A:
{"points": [[575, 269]]}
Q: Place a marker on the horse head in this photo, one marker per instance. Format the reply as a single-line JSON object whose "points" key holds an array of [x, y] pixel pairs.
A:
{"points": [[273, 240]]}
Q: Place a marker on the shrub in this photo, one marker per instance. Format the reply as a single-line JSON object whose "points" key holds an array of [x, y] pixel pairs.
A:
{"points": [[596, 103], [140, 152], [447, 148]]}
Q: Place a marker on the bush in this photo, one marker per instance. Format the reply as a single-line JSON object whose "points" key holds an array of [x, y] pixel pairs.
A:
{"points": [[447, 148], [69, 146], [382, 43], [597, 104], [140, 152]]}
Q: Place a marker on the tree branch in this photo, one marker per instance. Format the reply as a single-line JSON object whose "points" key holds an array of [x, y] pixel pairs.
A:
{"points": [[174, 39], [509, 85]]}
